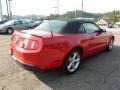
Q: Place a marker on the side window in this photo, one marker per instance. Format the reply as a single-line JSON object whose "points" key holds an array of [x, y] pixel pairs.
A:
{"points": [[24, 22], [90, 27], [18, 23], [81, 29]]}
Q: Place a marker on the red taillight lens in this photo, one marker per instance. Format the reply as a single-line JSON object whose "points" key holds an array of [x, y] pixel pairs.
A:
{"points": [[28, 44]]}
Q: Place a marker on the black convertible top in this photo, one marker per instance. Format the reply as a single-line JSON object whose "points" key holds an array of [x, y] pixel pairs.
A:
{"points": [[73, 26], [80, 21], [63, 27]]}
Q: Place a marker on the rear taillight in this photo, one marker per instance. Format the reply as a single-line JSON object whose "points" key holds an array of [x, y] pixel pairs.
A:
{"points": [[28, 44]]}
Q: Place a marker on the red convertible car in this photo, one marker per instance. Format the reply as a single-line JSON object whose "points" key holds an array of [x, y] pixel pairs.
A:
{"points": [[57, 43]]}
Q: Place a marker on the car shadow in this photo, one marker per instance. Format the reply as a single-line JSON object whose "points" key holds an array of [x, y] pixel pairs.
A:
{"points": [[5, 34], [92, 70]]}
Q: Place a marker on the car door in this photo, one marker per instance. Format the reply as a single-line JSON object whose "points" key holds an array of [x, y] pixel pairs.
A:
{"points": [[17, 25], [97, 38], [24, 25], [84, 40]]}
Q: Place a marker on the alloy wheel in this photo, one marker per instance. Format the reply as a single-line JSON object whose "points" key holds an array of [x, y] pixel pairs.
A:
{"points": [[110, 45], [73, 62], [9, 31]]}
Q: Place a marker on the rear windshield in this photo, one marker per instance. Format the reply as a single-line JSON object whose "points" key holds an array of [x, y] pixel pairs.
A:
{"points": [[54, 25]]}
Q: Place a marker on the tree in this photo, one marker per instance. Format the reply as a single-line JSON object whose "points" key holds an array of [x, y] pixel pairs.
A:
{"points": [[113, 16]]}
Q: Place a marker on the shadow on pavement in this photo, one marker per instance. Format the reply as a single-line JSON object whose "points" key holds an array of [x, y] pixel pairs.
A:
{"points": [[92, 75]]}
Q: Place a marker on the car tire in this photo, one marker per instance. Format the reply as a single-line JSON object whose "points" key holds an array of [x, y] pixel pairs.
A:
{"points": [[29, 28], [10, 31], [72, 61], [110, 45]]}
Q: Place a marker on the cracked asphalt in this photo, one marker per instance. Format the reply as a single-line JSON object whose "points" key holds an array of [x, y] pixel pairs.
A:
{"points": [[99, 72]]}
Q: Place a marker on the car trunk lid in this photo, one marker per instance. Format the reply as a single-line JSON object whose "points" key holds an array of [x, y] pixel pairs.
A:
{"points": [[38, 33]]}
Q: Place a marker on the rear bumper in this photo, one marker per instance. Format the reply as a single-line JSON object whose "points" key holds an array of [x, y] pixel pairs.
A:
{"points": [[24, 65], [2, 31], [33, 61]]}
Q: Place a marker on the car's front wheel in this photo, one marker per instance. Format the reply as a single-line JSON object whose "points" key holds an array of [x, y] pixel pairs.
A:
{"points": [[72, 61], [110, 45]]}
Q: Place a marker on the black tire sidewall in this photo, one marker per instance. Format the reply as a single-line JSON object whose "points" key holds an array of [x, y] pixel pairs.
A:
{"points": [[108, 48], [64, 67], [8, 31]]}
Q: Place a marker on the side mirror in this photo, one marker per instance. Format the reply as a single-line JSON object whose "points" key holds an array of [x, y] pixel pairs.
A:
{"points": [[103, 30]]}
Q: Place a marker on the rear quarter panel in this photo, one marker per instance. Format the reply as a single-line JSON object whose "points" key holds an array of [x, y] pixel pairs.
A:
{"points": [[59, 45]]}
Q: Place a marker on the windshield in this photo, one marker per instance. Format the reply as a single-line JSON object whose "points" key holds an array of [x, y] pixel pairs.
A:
{"points": [[54, 25], [10, 22]]}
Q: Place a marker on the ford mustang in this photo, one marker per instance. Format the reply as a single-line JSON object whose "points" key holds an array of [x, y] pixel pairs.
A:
{"points": [[59, 44]]}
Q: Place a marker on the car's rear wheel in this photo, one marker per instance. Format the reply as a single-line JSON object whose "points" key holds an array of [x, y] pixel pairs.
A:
{"points": [[110, 45], [10, 31], [72, 61]]}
